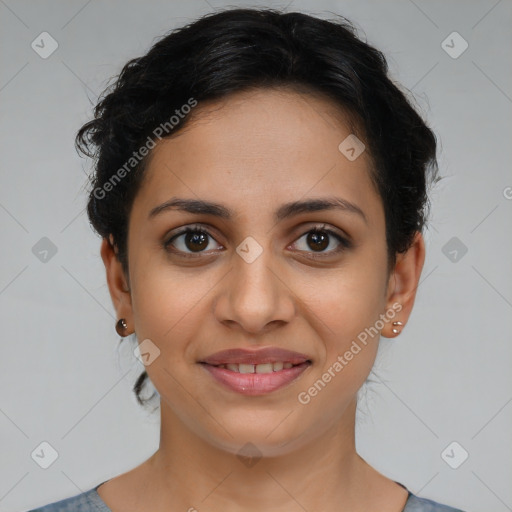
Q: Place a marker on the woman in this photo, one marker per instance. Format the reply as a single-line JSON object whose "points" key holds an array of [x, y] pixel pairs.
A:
{"points": [[260, 189]]}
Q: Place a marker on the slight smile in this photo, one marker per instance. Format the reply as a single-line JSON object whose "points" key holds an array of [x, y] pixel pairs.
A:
{"points": [[256, 372]]}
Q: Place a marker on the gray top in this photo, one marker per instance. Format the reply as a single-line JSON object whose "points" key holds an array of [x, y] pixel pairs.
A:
{"points": [[90, 501]]}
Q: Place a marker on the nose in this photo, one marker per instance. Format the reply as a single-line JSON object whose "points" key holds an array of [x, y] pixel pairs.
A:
{"points": [[254, 297]]}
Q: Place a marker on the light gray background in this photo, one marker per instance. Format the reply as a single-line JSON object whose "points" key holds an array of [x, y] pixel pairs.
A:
{"points": [[446, 378]]}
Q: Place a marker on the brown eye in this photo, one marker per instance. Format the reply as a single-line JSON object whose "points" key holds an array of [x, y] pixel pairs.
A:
{"points": [[196, 241], [318, 240], [189, 241]]}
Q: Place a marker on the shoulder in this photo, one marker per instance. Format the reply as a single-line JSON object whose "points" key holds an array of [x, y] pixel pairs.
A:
{"points": [[88, 501], [417, 504]]}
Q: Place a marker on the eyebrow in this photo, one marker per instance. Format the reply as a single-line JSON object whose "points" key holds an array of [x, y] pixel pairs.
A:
{"points": [[202, 207]]}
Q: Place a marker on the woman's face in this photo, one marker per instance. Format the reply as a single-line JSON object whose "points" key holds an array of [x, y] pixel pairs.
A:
{"points": [[257, 279]]}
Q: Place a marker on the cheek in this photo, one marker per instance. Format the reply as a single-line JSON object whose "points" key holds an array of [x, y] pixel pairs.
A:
{"points": [[165, 307], [344, 308], [348, 300]]}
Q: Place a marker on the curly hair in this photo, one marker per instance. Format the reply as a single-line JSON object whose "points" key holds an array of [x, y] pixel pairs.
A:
{"points": [[239, 49]]}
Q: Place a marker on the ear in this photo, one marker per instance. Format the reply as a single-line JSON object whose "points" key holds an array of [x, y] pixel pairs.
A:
{"points": [[117, 283], [403, 283]]}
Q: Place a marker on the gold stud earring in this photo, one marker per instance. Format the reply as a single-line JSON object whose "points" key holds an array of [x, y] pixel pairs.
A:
{"points": [[397, 331]]}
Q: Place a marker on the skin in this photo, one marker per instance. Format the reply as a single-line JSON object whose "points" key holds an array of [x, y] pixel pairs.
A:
{"points": [[253, 152]]}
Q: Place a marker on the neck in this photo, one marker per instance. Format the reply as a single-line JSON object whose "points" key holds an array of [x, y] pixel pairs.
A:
{"points": [[315, 471]]}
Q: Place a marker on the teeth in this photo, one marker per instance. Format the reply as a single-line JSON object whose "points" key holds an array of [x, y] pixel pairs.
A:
{"points": [[246, 368], [264, 368], [256, 368]]}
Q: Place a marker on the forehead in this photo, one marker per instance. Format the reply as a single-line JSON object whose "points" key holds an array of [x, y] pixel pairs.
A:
{"points": [[264, 145], [274, 118]]}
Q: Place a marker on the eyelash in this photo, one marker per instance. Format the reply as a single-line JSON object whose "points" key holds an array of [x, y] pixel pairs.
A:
{"points": [[198, 228]]}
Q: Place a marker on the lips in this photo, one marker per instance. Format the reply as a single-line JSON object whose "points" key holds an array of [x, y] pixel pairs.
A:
{"points": [[255, 357]]}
